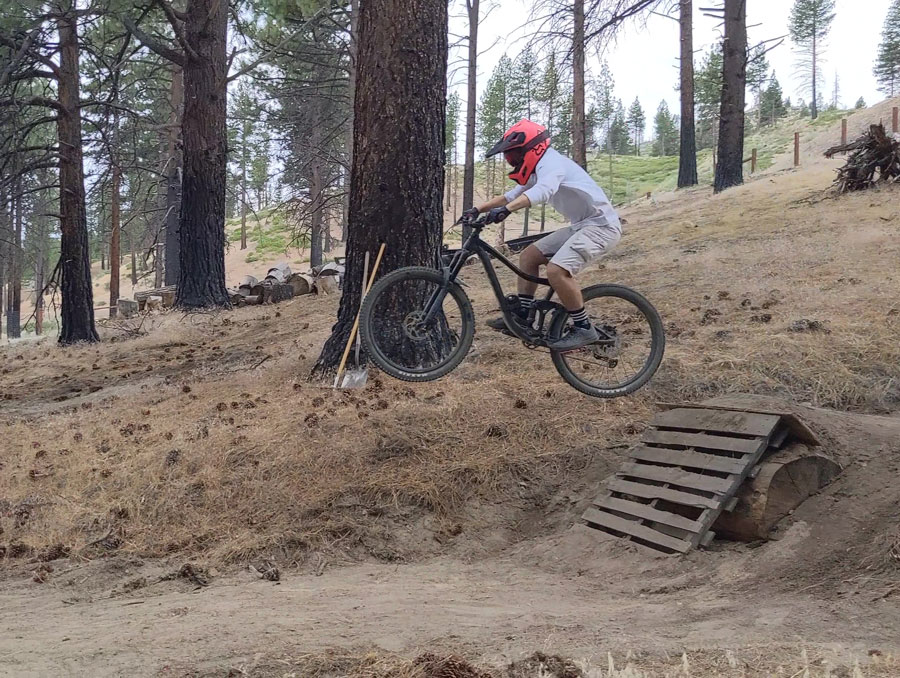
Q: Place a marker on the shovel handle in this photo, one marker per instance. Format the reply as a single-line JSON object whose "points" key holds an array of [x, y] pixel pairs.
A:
{"points": [[353, 331]]}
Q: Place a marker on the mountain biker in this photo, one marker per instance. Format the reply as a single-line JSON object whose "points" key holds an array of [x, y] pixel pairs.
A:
{"points": [[545, 175]]}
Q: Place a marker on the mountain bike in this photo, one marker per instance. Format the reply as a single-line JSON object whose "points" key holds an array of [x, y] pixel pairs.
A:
{"points": [[417, 324]]}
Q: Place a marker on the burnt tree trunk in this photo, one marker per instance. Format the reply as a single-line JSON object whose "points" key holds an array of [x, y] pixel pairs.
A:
{"points": [[173, 174], [471, 109], [687, 155], [201, 280], [315, 190], [115, 257], [351, 87], [579, 141], [14, 287], [40, 276], [244, 160], [398, 165], [730, 162], [75, 259]]}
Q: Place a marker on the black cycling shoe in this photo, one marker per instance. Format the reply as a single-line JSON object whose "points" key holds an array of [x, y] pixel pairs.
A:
{"points": [[499, 324]]}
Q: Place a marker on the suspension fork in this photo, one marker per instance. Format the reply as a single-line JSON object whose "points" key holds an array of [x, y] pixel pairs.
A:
{"points": [[450, 272]]}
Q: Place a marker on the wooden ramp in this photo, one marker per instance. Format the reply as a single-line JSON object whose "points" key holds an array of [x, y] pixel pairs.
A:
{"points": [[686, 471]]}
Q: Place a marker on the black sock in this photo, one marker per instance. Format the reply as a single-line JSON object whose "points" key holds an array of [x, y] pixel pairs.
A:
{"points": [[580, 318], [525, 302]]}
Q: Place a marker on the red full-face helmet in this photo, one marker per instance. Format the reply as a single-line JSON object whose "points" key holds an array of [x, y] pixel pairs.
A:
{"points": [[523, 145]]}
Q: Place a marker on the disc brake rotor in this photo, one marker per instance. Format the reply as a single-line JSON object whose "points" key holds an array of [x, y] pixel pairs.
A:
{"points": [[414, 326]]}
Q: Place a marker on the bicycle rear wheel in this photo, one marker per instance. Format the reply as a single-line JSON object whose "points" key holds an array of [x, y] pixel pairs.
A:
{"points": [[395, 335], [631, 348]]}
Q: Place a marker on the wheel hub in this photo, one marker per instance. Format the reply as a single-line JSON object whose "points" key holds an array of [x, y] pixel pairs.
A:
{"points": [[414, 326]]}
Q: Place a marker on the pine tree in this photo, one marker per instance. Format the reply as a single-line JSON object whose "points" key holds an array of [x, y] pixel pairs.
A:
{"points": [[619, 139], [860, 104], [887, 63], [451, 139], [772, 106], [637, 121], [708, 90], [665, 126], [809, 25], [757, 76]]}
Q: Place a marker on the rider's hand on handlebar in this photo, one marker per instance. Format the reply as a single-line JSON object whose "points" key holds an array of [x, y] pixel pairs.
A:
{"points": [[470, 214], [497, 215]]}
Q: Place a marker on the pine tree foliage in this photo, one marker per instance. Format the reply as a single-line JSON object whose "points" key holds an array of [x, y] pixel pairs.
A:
{"points": [[887, 63], [666, 133], [809, 24]]}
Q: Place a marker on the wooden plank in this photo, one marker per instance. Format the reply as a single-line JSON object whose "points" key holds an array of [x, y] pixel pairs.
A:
{"points": [[649, 513], [635, 529], [720, 421], [796, 426], [704, 440], [689, 458], [677, 476], [665, 493]]}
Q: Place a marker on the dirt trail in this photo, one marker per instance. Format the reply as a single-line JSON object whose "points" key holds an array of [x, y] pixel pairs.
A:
{"points": [[499, 609]]}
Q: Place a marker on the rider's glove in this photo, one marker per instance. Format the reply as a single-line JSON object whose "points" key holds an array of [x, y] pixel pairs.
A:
{"points": [[470, 214], [497, 215]]}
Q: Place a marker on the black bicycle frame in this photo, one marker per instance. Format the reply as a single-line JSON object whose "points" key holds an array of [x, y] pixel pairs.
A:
{"points": [[475, 245]]}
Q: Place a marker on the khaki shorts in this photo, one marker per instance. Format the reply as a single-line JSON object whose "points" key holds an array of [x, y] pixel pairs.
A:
{"points": [[576, 246]]}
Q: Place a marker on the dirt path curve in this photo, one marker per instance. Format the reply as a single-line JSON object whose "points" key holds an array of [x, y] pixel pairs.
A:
{"points": [[497, 610]]}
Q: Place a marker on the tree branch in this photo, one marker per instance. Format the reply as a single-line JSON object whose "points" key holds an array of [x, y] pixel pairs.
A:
{"points": [[150, 43]]}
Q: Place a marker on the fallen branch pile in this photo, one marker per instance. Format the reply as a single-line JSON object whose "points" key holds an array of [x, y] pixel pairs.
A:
{"points": [[874, 157]]}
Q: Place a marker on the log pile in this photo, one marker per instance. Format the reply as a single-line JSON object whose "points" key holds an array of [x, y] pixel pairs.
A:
{"points": [[281, 284], [874, 158]]}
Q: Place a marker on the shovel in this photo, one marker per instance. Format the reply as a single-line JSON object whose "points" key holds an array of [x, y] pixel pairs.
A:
{"points": [[356, 377]]}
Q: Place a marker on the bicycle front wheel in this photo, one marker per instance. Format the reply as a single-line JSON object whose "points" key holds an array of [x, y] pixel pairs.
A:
{"points": [[630, 349], [396, 335]]}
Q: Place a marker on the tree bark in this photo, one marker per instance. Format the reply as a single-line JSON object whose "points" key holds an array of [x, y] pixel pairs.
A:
{"points": [[40, 277], [687, 161], [244, 160], [814, 106], [75, 260], [201, 280], [14, 288], [730, 164], [173, 185], [398, 164], [579, 133], [114, 231], [351, 86], [315, 190], [471, 107]]}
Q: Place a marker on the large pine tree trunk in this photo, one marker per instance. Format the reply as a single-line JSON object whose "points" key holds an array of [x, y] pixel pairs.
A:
{"points": [[730, 163], [315, 189], [351, 86], [398, 164], [75, 260], [244, 160], [173, 183], [115, 257], [201, 282], [471, 104], [814, 106], [687, 161], [14, 287], [579, 141]]}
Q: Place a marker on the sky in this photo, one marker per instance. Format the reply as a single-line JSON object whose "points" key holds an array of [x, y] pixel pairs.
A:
{"points": [[644, 63]]}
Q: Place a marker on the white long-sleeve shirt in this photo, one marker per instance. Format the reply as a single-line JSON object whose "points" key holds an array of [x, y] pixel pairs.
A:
{"points": [[572, 192]]}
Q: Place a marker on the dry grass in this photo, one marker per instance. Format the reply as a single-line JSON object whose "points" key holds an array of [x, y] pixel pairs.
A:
{"points": [[745, 662], [180, 441]]}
